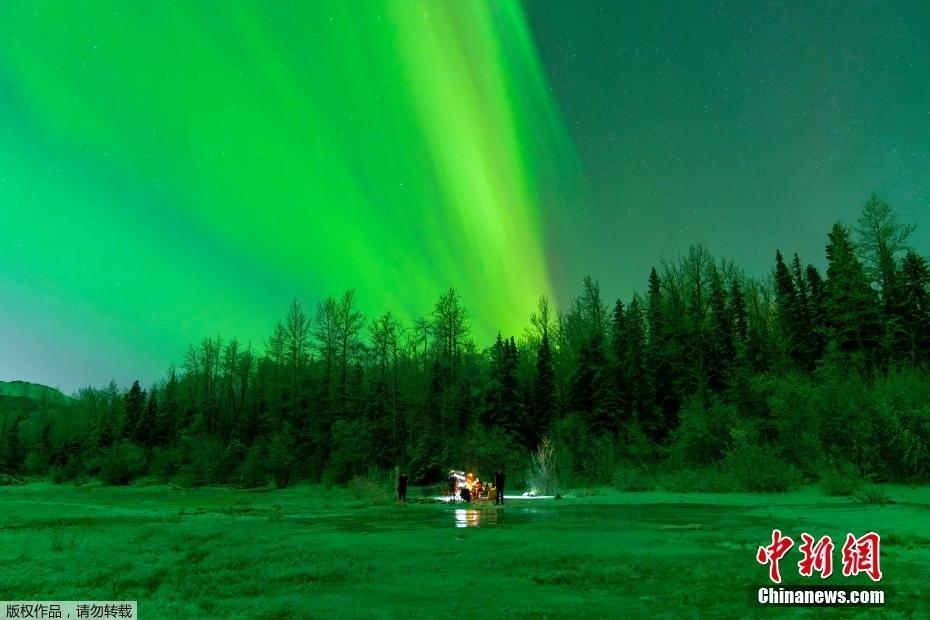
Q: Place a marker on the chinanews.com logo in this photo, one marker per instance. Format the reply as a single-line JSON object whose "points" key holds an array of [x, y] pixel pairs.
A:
{"points": [[859, 555]]}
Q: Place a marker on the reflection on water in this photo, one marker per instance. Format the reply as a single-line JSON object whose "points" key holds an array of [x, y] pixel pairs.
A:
{"points": [[465, 517], [561, 515]]}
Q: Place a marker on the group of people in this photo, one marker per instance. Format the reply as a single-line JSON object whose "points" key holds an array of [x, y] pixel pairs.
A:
{"points": [[470, 488]]}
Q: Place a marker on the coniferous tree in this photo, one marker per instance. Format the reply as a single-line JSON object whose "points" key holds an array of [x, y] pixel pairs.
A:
{"points": [[721, 347], [135, 404], [590, 392], [803, 318], [503, 409], [738, 306], [818, 312], [915, 305], [620, 364], [741, 366], [854, 323], [544, 397], [786, 296], [169, 419], [544, 401], [426, 398], [639, 389], [655, 422], [146, 429]]}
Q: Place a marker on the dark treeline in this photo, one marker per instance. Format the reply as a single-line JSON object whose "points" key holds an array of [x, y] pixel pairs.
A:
{"points": [[710, 373]]}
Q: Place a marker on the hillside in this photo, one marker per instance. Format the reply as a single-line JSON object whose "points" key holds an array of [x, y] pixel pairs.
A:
{"points": [[33, 391]]}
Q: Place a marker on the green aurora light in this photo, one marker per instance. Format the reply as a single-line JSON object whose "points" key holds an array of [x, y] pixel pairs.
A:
{"points": [[172, 170]]}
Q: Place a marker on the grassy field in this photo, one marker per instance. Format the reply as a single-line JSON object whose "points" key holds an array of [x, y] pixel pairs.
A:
{"points": [[308, 552]]}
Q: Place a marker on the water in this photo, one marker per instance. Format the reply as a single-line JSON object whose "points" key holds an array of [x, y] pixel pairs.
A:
{"points": [[465, 517], [550, 514]]}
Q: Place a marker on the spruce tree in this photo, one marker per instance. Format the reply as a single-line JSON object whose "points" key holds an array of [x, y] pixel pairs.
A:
{"points": [[544, 397], [803, 320], [168, 419], [852, 305], [738, 311], [620, 365], [818, 312], [135, 404], [656, 422], [786, 298], [639, 395], [145, 432], [720, 340], [503, 409], [915, 305]]}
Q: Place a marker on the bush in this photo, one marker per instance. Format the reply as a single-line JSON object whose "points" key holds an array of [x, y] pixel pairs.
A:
{"points": [[202, 456], [121, 463], [872, 495], [702, 433], [254, 473], [281, 458], [841, 479], [905, 431], [880, 425], [352, 450], [163, 463], [37, 462], [541, 477], [635, 446], [370, 490], [582, 458], [232, 456], [796, 409], [629, 479], [698, 480], [756, 467], [73, 468]]}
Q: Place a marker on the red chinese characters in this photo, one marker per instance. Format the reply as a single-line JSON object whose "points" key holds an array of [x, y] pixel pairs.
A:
{"points": [[773, 553], [817, 556], [860, 555]]}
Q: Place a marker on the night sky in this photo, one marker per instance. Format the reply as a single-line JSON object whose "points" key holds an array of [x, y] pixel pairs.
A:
{"points": [[174, 170], [745, 126]]}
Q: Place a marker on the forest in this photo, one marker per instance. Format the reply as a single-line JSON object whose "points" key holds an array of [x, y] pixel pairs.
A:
{"points": [[709, 379]]}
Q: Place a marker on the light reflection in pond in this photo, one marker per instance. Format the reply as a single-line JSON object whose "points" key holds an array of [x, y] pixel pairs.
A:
{"points": [[465, 517]]}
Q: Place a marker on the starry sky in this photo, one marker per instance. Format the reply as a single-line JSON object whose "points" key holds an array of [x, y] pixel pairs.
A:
{"points": [[174, 170], [744, 126]]}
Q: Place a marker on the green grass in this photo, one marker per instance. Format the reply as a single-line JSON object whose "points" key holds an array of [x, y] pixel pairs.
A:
{"points": [[310, 552]]}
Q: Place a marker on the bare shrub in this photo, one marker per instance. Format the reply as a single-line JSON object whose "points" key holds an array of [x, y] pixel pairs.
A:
{"points": [[541, 477]]}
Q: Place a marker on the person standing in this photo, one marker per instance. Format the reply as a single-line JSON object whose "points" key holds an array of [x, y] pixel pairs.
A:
{"points": [[452, 485], [499, 485], [402, 488]]}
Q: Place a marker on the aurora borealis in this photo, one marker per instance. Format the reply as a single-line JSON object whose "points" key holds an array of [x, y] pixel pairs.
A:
{"points": [[174, 170], [181, 169]]}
